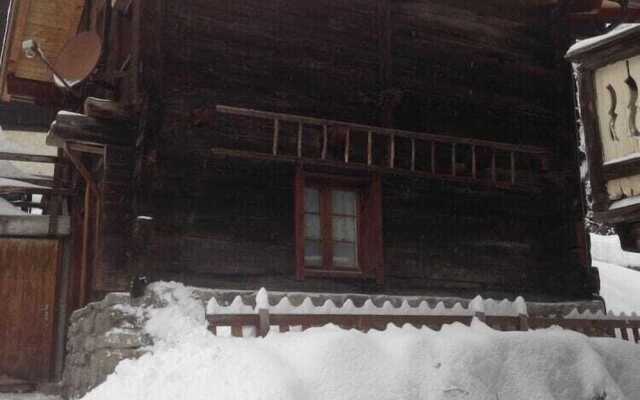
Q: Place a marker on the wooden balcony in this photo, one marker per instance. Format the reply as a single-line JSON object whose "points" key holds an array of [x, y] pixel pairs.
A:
{"points": [[292, 138]]}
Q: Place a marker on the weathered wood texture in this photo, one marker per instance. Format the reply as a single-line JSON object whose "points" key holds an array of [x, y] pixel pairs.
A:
{"points": [[28, 278], [478, 70], [234, 227]]}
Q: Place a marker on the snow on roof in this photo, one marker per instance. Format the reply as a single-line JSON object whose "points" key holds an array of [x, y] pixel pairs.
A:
{"points": [[7, 208], [13, 183], [585, 45]]}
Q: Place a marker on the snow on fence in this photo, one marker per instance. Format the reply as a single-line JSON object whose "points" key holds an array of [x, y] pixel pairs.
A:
{"points": [[242, 320]]}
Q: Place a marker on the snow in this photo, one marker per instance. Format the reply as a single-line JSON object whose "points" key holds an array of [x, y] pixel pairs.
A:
{"points": [[27, 396], [626, 202], [7, 208], [620, 287], [503, 307], [608, 250], [619, 31], [628, 157], [458, 362]]}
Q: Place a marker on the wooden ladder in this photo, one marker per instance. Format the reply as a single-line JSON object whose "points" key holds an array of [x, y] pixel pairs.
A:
{"points": [[487, 163]]}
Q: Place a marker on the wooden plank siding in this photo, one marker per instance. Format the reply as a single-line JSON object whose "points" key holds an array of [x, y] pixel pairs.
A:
{"points": [[28, 279], [480, 71]]}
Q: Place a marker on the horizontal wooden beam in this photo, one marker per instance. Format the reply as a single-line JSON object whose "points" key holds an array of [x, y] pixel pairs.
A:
{"points": [[82, 129], [621, 169], [32, 225], [220, 152], [34, 190], [38, 158]]}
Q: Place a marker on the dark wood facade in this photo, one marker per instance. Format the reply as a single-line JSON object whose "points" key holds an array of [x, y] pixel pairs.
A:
{"points": [[172, 208]]}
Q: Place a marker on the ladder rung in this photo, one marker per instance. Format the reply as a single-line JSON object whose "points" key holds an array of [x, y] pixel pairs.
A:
{"points": [[453, 159], [392, 150], [300, 140], [325, 139], [276, 132], [369, 147], [347, 143], [413, 154]]}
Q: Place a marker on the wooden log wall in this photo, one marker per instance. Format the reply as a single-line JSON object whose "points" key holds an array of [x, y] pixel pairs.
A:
{"points": [[487, 71]]}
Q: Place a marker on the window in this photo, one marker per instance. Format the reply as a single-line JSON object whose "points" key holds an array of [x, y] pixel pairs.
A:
{"points": [[331, 228], [338, 226]]}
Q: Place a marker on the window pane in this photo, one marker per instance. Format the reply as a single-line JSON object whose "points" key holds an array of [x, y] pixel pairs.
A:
{"points": [[343, 202], [312, 253], [344, 228], [344, 255], [312, 226], [311, 200]]}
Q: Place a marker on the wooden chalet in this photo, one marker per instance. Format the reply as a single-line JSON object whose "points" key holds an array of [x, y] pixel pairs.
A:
{"points": [[372, 146]]}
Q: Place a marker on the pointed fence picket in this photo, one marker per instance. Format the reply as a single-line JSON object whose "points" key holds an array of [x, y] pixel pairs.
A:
{"points": [[503, 316]]}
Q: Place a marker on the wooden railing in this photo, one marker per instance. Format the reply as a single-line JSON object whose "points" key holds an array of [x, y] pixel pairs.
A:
{"points": [[262, 322], [488, 163]]}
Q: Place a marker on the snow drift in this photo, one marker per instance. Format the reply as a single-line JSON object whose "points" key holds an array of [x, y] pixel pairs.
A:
{"points": [[458, 362]]}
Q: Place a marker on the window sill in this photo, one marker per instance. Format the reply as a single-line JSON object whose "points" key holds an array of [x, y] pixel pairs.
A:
{"points": [[318, 273]]}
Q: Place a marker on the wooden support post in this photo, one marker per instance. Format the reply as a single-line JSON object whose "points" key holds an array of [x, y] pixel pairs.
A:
{"points": [[299, 139], [433, 158], [453, 159], [474, 171], [369, 148], [84, 261], [347, 143], [524, 322], [493, 166], [513, 168], [276, 132], [263, 322], [325, 139], [413, 154], [392, 151]]}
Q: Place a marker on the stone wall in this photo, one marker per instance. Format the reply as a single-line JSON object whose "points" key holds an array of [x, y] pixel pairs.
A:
{"points": [[100, 336]]}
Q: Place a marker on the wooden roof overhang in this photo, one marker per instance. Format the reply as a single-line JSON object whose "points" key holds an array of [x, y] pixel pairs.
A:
{"points": [[51, 23]]}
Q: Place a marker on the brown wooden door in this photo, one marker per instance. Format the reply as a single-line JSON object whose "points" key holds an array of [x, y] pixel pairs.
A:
{"points": [[28, 277]]}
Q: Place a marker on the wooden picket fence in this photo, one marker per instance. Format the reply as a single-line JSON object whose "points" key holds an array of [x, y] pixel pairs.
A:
{"points": [[622, 327]]}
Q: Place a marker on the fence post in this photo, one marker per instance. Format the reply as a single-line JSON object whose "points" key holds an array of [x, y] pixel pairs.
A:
{"points": [[524, 322], [263, 322]]}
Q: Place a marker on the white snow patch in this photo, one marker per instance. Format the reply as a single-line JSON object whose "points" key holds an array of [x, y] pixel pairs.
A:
{"points": [[7, 208], [620, 287], [459, 362], [608, 250], [27, 396], [626, 202], [581, 44]]}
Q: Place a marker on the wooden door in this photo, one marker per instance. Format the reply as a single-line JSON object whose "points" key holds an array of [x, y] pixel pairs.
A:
{"points": [[28, 278]]}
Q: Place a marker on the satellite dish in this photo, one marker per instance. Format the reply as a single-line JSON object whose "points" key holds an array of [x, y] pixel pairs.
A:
{"points": [[78, 58]]}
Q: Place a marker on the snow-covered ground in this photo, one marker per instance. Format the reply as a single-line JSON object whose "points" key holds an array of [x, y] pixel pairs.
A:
{"points": [[459, 362], [619, 286]]}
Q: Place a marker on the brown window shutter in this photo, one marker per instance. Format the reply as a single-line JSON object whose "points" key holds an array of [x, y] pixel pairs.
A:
{"points": [[375, 229], [299, 221], [371, 247]]}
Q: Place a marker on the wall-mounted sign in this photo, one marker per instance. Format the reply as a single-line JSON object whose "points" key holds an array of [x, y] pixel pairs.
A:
{"points": [[608, 77]]}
